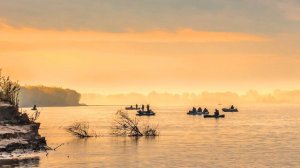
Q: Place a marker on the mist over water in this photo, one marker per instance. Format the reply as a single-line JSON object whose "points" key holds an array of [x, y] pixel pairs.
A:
{"points": [[258, 136]]}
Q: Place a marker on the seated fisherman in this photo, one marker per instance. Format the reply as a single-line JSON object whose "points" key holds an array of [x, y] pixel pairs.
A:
{"points": [[194, 110], [205, 110], [143, 108], [232, 107], [200, 110], [34, 107], [217, 113]]}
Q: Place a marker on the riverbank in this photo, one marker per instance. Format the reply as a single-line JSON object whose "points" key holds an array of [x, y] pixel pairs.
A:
{"points": [[18, 133]]}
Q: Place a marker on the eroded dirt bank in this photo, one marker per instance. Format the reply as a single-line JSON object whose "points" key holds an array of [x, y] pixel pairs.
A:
{"points": [[18, 132]]}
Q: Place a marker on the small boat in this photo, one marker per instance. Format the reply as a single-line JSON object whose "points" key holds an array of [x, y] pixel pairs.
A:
{"points": [[214, 116], [132, 108], [230, 110], [145, 113], [192, 113], [197, 113]]}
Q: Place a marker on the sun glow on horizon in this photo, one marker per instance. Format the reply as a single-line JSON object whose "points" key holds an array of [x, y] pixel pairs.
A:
{"points": [[179, 61]]}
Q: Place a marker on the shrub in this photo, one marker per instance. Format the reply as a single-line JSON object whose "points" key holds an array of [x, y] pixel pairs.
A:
{"points": [[9, 91]]}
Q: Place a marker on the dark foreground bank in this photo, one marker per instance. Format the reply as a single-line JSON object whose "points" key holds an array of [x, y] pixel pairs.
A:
{"points": [[18, 133]]}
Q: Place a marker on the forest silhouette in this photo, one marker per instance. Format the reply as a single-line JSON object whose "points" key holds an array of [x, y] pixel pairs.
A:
{"points": [[251, 97], [48, 96]]}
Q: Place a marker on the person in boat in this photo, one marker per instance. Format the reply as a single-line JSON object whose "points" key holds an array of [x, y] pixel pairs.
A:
{"points": [[34, 107], [143, 108], [136, 106], [217, 113], [194, 110], [131, 107], [200, 110], [148, 108], [205, 110], [232, 107]]}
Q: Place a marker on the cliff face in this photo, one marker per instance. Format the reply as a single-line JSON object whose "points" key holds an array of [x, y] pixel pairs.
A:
{"points": [[8, 113], [17, 132]]}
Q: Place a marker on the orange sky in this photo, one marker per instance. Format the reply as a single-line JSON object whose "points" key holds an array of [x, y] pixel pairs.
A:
{"points": [[161, 59]]}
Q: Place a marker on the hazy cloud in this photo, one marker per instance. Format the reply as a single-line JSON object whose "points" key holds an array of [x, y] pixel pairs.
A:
{"points": [[32, 35], [145, 15], [290, 9]]}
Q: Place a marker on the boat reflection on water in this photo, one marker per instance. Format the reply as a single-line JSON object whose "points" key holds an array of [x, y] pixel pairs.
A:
{"points": [[22, 162]]}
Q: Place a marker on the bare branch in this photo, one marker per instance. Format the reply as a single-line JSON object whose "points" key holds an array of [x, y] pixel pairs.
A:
{"points": [[81, 130], [126, 126]]}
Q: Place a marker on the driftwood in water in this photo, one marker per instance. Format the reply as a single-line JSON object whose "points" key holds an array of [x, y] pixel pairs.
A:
{"points": [[149, 131], [124, 125], [81, 130]]}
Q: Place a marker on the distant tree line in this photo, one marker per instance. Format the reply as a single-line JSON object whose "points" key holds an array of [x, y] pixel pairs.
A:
{"points": [[48, 96], [250, 97]]}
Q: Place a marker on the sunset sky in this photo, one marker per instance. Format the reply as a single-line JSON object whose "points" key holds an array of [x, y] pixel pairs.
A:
{"points": [[112, 46]]}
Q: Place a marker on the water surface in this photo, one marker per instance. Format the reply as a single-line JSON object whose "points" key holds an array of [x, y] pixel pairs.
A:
{"points": [[260, 136]]}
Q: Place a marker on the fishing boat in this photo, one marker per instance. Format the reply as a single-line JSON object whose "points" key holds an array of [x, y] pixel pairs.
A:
{"points": [[192, 113], [226, 110], [214, 116], [145, 113], [132, 108], [197, 113]]}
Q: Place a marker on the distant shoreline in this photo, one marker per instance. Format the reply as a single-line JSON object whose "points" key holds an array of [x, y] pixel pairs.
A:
{"points": [[56, 106], [81, 105], [118, 105]]}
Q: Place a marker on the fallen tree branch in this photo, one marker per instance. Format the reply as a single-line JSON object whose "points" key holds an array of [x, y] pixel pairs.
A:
{"points": [[81, 130], [126, 126]]}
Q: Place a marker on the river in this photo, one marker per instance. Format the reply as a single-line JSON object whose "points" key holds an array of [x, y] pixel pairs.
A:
{"points": [[257, 136]]}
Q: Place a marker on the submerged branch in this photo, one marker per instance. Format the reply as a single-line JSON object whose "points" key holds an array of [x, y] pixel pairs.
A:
{"points": [[150, 131], [80, 130], [126, 126]]}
